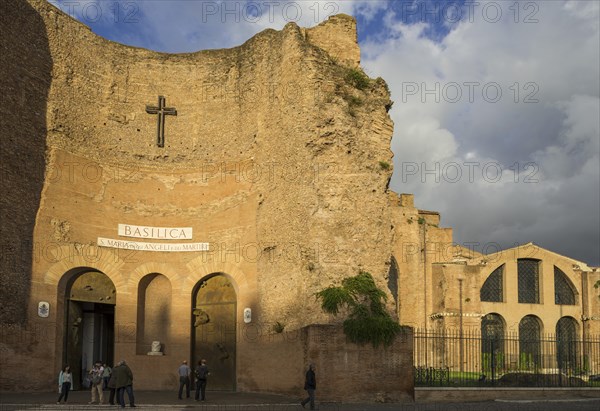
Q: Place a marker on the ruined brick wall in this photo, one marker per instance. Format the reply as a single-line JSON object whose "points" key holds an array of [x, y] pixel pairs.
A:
{"points": [[25, 73], [274, 158], [345, 372], [271, 116], [418, 242]]}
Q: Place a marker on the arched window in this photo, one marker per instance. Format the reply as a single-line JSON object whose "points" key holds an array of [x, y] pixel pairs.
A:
{"points": [[566, 343], [492, 342], [529, 280], [492, 289], [530, 329], [564, 293]]}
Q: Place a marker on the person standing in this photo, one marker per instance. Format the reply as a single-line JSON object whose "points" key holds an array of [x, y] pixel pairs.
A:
{"points": [[310, 385], [65, 378], [184, 379], [124, 382], [106, 376], [201, 373], [96, 382], [112, 386]]}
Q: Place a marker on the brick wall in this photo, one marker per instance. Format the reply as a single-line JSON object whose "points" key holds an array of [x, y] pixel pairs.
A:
{"points": [[345, 372]]}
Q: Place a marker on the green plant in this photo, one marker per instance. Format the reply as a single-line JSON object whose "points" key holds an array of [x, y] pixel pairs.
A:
{"points": [[381, 81], [421, 220], [384, 165], [597, 287], [278, 327], [357, 78], [368, 320]]}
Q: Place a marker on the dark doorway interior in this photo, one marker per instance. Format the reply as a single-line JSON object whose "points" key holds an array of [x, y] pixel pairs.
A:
{"points": [[89, 325]]}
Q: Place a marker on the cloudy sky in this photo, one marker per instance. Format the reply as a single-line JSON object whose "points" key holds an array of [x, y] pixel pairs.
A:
{"points": [[497, 103]]}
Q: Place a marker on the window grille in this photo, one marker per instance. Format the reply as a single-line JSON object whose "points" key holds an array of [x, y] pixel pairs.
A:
{"points": [[563, 291], [529, 342], [492, 334], [492, 290], [529, 281], [566, 343]]}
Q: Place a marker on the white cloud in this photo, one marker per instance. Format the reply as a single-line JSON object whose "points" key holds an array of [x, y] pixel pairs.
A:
{"points": [[554, 139]]}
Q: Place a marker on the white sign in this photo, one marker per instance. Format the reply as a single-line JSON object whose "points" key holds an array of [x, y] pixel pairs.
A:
{"points": [[142, 246], [157, 233]]}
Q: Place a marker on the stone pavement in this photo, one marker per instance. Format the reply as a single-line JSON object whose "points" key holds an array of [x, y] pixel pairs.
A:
{"points": [[228, 401]]}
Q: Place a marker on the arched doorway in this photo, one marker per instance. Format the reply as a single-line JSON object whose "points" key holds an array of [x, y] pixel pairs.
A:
{"points": [[89, 322], [214, 304]]}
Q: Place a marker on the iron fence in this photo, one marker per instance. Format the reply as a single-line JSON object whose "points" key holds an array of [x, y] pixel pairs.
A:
{"points": [[466, 358]]}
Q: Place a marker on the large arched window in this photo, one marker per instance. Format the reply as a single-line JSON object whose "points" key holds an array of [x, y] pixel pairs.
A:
{"points": [[566, 343], [492, 289], [529, 280], [492, 341], [530, 330], [564, 293]]}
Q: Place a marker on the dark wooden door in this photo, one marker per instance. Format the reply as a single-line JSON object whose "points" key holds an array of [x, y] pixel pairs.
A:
{"points": [[214, 331]]}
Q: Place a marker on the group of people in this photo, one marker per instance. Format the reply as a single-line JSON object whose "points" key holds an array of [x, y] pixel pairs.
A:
{"points": [[118, 380], [201, 374]]}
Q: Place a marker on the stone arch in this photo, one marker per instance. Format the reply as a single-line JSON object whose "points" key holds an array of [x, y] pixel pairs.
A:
{"points": [[69, 258], [530, 336], [199, 269], [152, 267], [154, 301]]}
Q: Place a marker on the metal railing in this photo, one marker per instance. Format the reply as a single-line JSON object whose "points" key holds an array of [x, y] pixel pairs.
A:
{"points": [[465, 358]]}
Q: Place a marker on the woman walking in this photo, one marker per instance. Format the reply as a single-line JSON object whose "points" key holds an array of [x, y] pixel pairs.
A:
{"points": [[65, 378]]}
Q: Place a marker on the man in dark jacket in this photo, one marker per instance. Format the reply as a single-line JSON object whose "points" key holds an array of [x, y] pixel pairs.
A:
{"points": [[124, 382], [112, 386], [201, 373], [310, 385]]}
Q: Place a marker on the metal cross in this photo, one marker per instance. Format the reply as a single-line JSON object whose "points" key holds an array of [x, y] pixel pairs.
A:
{"points": [[162, 111]]}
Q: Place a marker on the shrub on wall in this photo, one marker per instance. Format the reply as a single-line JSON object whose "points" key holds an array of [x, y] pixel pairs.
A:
{"points": [[368, 321]]}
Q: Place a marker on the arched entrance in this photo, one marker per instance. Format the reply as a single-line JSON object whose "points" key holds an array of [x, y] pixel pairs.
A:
{"points": [[90, 300], [214, 304]]}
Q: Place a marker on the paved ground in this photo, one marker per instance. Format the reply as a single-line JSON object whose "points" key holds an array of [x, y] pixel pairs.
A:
{"points": [[158, 401]]}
